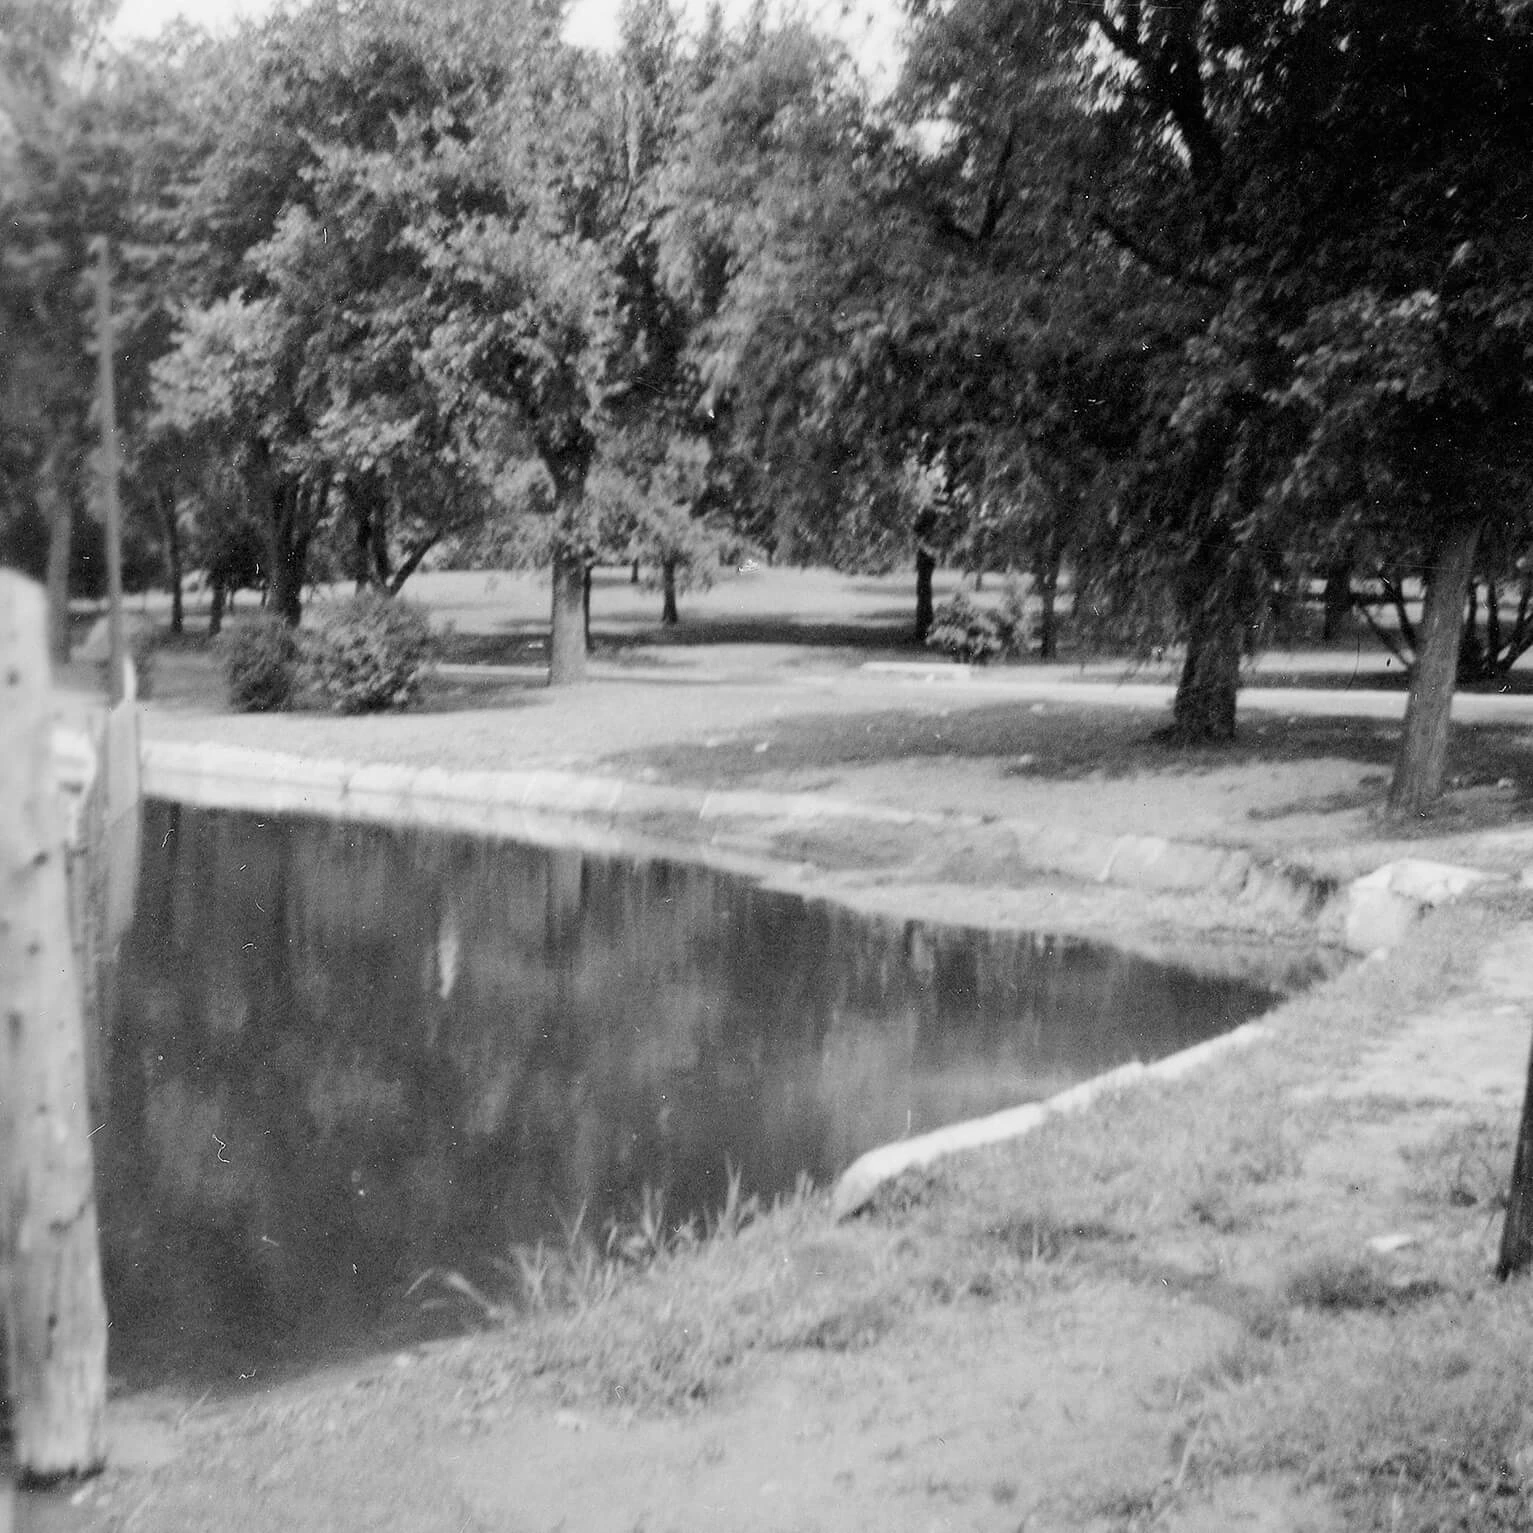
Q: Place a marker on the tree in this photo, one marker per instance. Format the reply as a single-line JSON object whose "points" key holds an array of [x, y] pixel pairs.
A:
{"points": [[61, 157], [773, 230], [1410, 380], [1215, 160]]}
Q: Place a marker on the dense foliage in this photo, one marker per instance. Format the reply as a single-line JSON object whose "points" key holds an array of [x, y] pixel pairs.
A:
{"points": [[366, 655], [1186, 304], [261, 661], [977, 635]]}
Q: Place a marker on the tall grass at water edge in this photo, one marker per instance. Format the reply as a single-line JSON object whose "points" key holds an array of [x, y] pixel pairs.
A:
{"points": [[584, 1269]]}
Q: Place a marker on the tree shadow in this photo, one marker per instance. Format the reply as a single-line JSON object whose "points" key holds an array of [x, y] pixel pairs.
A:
{"points": [[884, 630], [1067, 744]]}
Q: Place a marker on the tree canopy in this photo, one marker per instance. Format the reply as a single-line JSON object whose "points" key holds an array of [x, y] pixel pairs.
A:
{"points": [[1192, 299]]}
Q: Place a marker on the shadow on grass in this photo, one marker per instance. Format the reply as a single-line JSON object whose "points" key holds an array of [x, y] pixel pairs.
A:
{"points": [[877, 630], [1066, 744], [1062, 744], [526, 644], [1342, 679], [516, 646]]}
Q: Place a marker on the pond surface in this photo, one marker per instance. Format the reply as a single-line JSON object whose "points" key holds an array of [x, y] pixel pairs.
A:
{"points": [[343, 1055]]}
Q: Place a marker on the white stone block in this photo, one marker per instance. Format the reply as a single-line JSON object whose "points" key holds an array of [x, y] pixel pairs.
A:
{"points": [[1382, 906]]}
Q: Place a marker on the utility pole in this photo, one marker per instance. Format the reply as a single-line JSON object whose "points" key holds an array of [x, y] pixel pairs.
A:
{"points": [[111, 506]]}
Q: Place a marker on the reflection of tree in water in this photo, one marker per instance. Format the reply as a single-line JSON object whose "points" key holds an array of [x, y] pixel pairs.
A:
{"points": [[342, 1056]]}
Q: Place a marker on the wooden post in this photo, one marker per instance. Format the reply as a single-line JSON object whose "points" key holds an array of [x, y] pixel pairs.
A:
{"points": [[50, 1265]]}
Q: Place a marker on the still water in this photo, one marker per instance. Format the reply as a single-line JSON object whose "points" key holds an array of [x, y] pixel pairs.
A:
{"points": [[342, 1055]]}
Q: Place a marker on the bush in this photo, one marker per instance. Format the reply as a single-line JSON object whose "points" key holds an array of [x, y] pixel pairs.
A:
{"points": [[368, 654], [261, 664], [976, 635]]}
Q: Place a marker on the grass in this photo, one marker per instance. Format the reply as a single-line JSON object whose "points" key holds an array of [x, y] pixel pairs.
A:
{"points": [[1096, 1194], [1465, 1166], [1066, 743], [1406, 1401], [1412, 1421], [582, 1271]]}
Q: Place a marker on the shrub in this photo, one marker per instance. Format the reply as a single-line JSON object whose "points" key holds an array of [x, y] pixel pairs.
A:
{"points": [[976, 635], [261, 664], [368, 654]]}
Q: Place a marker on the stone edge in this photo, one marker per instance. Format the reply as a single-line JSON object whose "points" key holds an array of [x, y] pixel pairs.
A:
{"points": [[856, 1186], [543, 805]]}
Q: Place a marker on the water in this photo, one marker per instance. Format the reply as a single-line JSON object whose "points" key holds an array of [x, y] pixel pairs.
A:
{"points": [[343, 1055]]}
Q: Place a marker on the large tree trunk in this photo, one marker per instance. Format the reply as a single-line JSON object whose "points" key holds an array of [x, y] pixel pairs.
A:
{"points": [[1206, 694], [568, 463], [290, 512], [368, 502], [362, 537], [410, 563], [1337, 601], [288, 550], [926, 565], [54, 505], [668, 614], [165, 504], [1418, 779], [567, 639], [1048, 597], [383, 565], [50, 1265]]}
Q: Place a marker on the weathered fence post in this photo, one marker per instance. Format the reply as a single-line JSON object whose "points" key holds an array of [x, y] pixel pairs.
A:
{"points": [[1517, 1229], [50, 1265]]}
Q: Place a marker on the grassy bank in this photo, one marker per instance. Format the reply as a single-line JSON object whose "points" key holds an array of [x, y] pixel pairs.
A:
{"points": [[1162, 1313], [1259, 1297], [1395, 1384]]}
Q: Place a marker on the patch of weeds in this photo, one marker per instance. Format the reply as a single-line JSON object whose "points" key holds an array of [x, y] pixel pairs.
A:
{"points": [[1265, 1318], [1469, 1166], [1335, 1284], [581, 1272], [1260, 1148], [1217, 1206], [849, 1327], [660, 1332], [1132, 1509], [1266, 1146], [902, 1195], [1043, 1237], [1408, 1422], [1245, 1360]]}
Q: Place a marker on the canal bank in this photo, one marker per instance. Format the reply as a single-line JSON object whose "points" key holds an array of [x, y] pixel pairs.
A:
{"points": [[1200, 1303], [1009, 871], [1284, 1262]]}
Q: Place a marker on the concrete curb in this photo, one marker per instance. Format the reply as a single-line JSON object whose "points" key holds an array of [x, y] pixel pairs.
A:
{"points": [[856, 1186], [566, 806], [226, 776]]}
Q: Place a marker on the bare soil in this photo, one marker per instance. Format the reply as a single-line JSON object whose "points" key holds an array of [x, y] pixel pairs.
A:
{"points": [[1159, 1315]]}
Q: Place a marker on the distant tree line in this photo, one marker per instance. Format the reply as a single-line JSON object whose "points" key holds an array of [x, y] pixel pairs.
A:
{"points": [[1201, 307]]}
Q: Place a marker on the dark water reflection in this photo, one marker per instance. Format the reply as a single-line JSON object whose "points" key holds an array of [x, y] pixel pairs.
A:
{"points": [[342, 1055]]}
